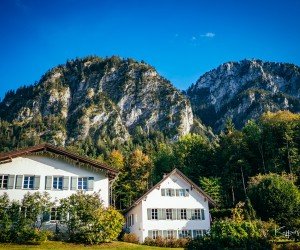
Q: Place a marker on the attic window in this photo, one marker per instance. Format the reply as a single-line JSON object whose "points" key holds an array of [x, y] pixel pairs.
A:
{"points": [[28, 182], [3, 181]]}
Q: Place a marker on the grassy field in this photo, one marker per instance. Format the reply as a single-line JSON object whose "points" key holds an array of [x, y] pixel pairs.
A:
{"points": [[67, 246]]}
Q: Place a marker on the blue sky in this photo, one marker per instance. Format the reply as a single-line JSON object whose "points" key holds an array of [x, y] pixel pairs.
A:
{"points": [[181, 39]]}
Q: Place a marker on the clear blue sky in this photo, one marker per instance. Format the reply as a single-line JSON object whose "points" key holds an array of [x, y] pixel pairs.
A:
{"points": [[181, 39]]}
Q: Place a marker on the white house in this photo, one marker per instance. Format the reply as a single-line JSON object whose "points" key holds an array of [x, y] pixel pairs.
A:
{"points": [[174, 208], [57, 171]]}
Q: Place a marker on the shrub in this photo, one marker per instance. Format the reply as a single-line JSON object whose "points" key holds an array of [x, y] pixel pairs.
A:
{"points": [[131, 238], [88, 221], [163, 242]]}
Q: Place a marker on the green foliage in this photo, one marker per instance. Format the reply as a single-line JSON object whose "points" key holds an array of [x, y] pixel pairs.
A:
{"points": [[234, 233], [88, 221], [194, 155], [19, 221], [212, 186], [275, 197]]}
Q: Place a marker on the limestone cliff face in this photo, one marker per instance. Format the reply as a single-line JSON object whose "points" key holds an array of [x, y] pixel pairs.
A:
{"points": [[244, 90], [100, 98]]}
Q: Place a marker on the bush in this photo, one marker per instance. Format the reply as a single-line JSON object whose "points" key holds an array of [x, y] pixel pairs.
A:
{"points": [[131, 238], [88, 222], [163, 242]]}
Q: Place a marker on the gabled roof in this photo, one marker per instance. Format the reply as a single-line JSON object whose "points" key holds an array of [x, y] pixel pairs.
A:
{"points": [[175, 171], [110, 172]]}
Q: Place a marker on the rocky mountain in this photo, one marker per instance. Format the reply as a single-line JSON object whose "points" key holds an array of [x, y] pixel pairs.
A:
{"points": [[244, 90], [99, 98]]}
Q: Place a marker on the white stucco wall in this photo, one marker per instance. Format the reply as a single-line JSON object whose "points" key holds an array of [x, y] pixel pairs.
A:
{"points": [[137, 227], [46, 166], [195, 200]]}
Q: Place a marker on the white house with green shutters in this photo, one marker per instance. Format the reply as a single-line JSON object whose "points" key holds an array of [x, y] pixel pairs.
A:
{"points": [[55, 170], [174, 208]]}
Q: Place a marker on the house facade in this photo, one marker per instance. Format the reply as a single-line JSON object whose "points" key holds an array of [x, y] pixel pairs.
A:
{"points": [[57, 171], [174, 208]]}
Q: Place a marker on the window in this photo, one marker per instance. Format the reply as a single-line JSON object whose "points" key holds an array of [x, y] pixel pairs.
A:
{"points": [[25, 211], [181, 192], [168, 192], [155, 234], [169, 214], [28, 182], [82, 183], [130, 220], [197, 233], [3, 181], [183, 214], [57, 183], [170, 234], [184, 234], [154, 214], [55, 214], [197, 214]]}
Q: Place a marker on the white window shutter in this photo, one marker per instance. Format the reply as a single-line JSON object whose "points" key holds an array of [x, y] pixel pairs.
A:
{"points": [[36, 182], [19, 181], [48, 182], [11, 181], [66, 183]]}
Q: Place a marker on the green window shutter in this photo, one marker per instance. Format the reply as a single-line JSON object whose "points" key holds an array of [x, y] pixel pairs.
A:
{"points": [[189, 214], [48, 184], [90, 184], [174, 214], [177, 192], [164, 216], [165, 234], [19, 181], [187, 192], [74, 183], [149, 210], [11, 181], [150, 234], [36, 182], [163, 192], [159, 213], [202, 214], [190, 233], [66, 183]]}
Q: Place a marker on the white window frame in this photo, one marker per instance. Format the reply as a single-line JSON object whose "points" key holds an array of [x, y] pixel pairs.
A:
{"points": [[197, 214], [184, 234], [56, 214], [170, 234], [81, 182], [28, 180], [3, 181], [155, 234], [183, 214], [154, 214], [198, 232], [59, 180], [181, 192], [169, 214]]}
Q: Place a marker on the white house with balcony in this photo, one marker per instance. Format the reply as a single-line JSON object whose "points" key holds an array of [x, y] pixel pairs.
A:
{"points": [[174, 208], [55, 170]]}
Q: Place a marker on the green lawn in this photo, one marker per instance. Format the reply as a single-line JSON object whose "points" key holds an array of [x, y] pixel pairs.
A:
{"points": [[67, 246]]}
